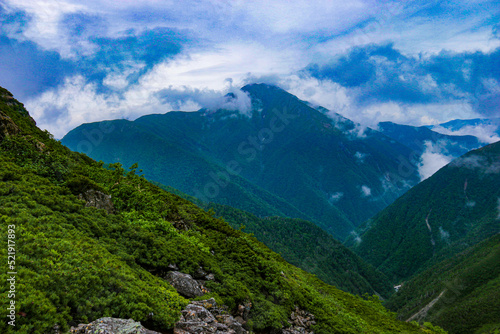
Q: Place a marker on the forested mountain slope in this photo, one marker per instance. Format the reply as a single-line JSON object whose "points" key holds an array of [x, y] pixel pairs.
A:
{"points": [[455, 208], [93, 242], [464, 291]]}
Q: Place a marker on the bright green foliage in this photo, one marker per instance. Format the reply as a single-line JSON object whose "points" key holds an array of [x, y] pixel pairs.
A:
{"points": [[455, 208], [471, 284], [78, 263]]}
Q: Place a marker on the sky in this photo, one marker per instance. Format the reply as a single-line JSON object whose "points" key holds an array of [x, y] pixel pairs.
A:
{"points": [[412, 62]]}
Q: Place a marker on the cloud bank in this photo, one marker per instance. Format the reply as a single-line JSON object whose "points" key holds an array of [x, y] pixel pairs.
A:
{"points": [[415, 63]]}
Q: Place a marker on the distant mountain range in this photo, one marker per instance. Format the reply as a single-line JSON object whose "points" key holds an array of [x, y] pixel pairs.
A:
{"points": [[285, 158], [486, 130], [422, 138]]}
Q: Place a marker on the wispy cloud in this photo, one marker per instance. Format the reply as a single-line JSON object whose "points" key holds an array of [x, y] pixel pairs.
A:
{"points": [[365, 191], [432, 160]]}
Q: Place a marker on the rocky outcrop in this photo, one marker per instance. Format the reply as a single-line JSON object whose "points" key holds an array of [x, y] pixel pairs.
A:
{"points": [[111, 326], [97, 199], [301, 323], [7, 126], [206, 317], [185, 285]]}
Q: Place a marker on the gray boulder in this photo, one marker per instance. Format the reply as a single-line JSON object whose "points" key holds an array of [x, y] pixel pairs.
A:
{"points": [[111, 326], [184, 284], [205, 317]]}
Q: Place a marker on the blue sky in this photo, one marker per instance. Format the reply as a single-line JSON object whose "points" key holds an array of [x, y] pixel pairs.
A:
{"points": [[417, 62]]}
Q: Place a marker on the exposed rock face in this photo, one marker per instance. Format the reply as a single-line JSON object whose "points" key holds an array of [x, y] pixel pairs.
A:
{"points": [[185, 284], [205, 317], [301, 322], [111, 326], [98, 200], [7, 126]]}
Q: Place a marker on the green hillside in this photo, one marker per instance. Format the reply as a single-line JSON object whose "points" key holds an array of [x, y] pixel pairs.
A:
{"points": [[75, 263], [455, 208], [307, 246], [467, 289], [287, 159]]}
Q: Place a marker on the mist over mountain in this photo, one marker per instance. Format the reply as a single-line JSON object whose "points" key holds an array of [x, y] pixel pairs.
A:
{"points": [[487, 130], [285, 159]]}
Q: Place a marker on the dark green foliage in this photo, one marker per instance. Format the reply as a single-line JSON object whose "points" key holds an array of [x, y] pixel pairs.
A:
{"points": [[310, 166], [78, 263], [306, 246], [460, 204], [471, 284]]}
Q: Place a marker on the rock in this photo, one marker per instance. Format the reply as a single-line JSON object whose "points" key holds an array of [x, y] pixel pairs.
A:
{"points": [[111, 326], [206, 317], [97, 199], [184, 284], [172, 266], [300, 321], [210, 277], [7, 126]]}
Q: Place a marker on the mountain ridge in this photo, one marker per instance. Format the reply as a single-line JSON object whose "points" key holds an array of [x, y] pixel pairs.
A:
{"points": [[286, 148]]}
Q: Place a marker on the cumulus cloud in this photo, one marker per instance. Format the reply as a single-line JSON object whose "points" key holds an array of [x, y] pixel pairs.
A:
{"points": [[365, 191], [432, 160], [368, 62]]}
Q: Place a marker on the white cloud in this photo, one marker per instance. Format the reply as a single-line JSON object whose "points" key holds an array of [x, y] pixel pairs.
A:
{"points": [[445, 235], [44, 26], [246, 39], [498, 208], [432, 160], [486, 133], [356, 237], [365, 191], [360, 156], [335, 197]]}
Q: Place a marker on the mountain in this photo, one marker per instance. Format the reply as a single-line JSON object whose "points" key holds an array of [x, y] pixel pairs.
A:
{"points": [[460, 294], [422, 139], [94, 242], [455, 208], [487, 130], [280, 158]]}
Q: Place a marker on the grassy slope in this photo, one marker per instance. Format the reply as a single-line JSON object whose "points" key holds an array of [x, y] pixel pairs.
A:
{"points": [[76, 264]]}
